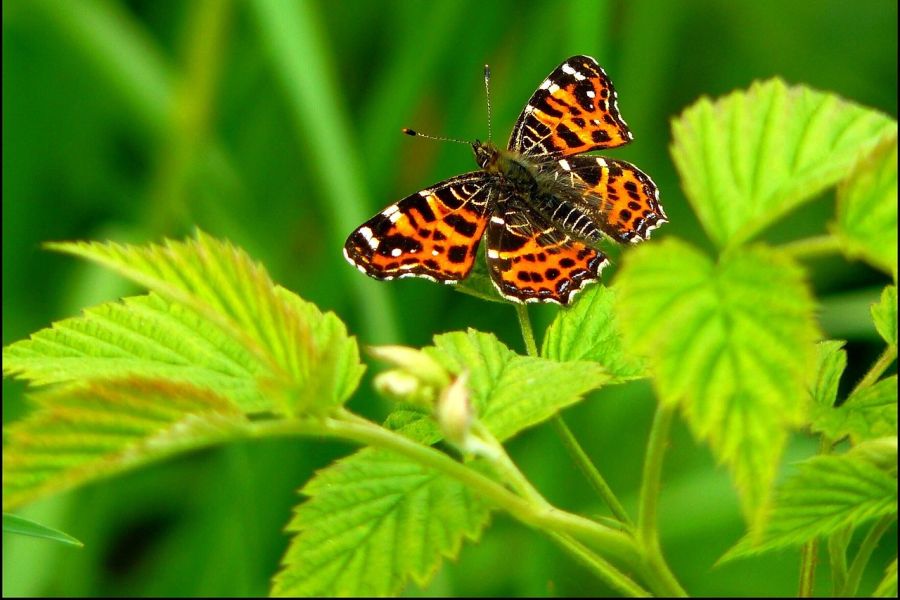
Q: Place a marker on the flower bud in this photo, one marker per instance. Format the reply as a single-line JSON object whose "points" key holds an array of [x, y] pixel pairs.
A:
{"points": [[401, 386], [454, 411], [415, 362]]}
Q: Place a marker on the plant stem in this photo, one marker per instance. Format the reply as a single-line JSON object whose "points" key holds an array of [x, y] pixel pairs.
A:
{"points": [[864, 554], [821, 245], [808, 558], [354, 428], [879, 367], [527, 333], [590, 472], [600, 567], [809, 553], [647, 534], [576, 452], [837, 552]]}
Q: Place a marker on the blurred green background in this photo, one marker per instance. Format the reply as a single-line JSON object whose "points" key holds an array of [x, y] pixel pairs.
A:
{"points": [[276, 124]]}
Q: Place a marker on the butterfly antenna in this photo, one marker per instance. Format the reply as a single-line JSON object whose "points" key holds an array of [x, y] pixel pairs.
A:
{"points": [[412, 133], [487, 93]]}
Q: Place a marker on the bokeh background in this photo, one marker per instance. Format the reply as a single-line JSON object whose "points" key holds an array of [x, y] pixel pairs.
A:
{"points": [[276, 124]]}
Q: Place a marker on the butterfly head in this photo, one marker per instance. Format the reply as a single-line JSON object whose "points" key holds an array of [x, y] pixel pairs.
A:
{"points": [[486, 155]]}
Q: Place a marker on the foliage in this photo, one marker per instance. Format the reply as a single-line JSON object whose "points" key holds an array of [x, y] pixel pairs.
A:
{"points": [[733, 335]]}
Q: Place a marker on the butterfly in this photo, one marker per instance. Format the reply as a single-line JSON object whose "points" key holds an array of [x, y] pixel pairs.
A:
{"points": [[542, 208]]}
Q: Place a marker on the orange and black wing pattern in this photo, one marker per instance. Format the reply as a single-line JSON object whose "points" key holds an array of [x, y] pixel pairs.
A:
{"points": [[432, 234], [573, 111], [623, 200], [531, 260]]}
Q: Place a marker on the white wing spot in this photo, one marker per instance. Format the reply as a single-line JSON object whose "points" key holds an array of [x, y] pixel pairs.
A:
{"points": [[568, 69], [591, 94], [546, 84], [565, 165], [493, 254], [498, 220], [370, 239], [553, 89], [390, 210], [396, 252]]}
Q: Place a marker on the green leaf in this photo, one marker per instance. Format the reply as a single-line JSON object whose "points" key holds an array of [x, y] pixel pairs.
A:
{"points": [[750, 157], [305, 358], [588, 330], [721, 345], [826, 494], [85, 432], [867, 209], [23, 526], [145, 336], [375, 519], [511, 392], [887, 587], [884, 314], [831, 362], [868, 413]]}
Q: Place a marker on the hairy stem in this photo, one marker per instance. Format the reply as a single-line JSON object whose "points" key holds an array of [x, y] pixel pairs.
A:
{"points": [[356, 429], [576, 452], [864, 554], [880, 366], [647, 532], [837, 553], [808, 558], [600, 567]]}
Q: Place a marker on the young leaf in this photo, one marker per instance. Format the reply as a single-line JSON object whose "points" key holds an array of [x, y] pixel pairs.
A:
{"points": [[887, 588], [831, 362], [375, 519], [721, 345], [511, 392], [867, 209], [23, 526], [589, 331], [144, 336], [826, 494], [884, 314], [85, 432], [750, 157], [307, 358], [868, 413]]}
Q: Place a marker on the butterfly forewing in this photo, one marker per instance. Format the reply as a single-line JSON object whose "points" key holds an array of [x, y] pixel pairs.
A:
{"points": [[573, 111], [530, 260], [433, 233]]}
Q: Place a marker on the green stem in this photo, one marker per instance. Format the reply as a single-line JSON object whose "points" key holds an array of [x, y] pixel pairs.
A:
{"points": [[809, 553], [590, 472], [808, 559], [527, 333], [837, 553], [356, 429], [880, 366], [576, 452], [822, 245], [647, 533], [864, 554], [600, 567]]}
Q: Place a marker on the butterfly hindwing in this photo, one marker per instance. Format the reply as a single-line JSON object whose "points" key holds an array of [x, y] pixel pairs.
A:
{"points": [[622, 198], [573, 111], [530, 260], [433, 233]]}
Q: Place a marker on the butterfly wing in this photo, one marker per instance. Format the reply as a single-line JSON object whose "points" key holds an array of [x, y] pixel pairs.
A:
{"points": [[433, 233], [573, 111], [531, 260], [613, 195]]}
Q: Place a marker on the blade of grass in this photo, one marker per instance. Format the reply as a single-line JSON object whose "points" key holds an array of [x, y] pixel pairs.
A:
{"points": [[22, 526], [299, 51]]}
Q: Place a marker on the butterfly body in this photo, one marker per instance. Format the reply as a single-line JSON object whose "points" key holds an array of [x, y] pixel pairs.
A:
{"points": [[540, 208]]}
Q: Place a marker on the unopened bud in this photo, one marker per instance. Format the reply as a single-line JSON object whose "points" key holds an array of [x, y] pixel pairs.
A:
{"points": [[454, 411], [415, 362], [401, 386]]}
